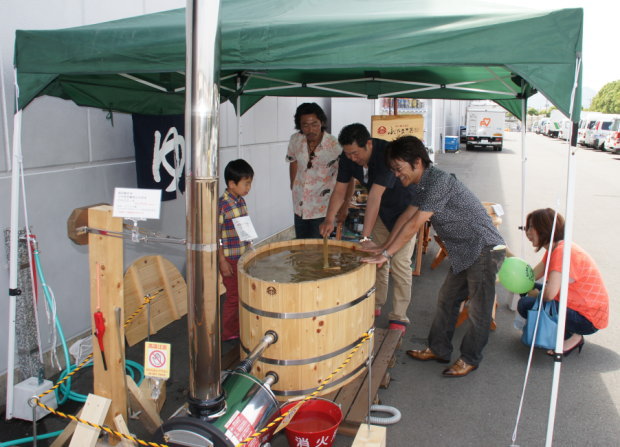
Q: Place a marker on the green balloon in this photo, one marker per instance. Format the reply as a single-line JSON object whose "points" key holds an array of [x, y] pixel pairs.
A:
{"points": [[516, 275]]}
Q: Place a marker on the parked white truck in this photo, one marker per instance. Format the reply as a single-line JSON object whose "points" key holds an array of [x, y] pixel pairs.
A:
{"points": [[485, 127]]}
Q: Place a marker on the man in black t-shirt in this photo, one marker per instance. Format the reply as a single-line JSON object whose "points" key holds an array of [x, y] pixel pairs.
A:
{"points": [[363, 158]]}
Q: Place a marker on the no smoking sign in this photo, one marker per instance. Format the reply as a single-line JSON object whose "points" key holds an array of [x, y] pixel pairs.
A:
{"points": [[157, 360]]}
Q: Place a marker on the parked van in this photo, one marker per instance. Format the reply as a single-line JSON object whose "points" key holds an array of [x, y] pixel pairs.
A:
{"points": [[596, 136], [541, 126], [565, 128], [587, 122]]}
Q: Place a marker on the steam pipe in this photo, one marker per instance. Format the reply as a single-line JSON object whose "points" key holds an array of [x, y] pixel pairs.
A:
{"points": [[246, 364], [206, 399], [271, 378]]}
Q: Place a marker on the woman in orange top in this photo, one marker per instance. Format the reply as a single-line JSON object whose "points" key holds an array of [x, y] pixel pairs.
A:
{"points": [[588, 301]]}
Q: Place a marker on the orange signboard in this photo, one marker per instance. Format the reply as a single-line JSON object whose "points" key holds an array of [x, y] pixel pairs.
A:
{"points": [[390, 127]]}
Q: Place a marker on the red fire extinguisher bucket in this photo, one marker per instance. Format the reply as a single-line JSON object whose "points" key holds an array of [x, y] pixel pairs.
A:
{"points": [[315, 423]]}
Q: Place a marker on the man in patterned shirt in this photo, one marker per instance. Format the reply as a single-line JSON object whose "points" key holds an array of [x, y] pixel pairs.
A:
{"points": [[313, 156], [475, 250], [238, 176]]}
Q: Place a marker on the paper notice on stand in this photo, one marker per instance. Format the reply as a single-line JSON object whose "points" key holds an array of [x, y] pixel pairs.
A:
{"points": [[137, 203]]}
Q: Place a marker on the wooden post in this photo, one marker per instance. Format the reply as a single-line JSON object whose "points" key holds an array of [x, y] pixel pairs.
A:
{"points": [[370, 436], [95, 410], [106, 293]]}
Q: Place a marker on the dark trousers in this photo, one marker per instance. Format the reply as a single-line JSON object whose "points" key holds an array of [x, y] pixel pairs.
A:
{"points": [[230, 311], [478, 283], [307, 228]]}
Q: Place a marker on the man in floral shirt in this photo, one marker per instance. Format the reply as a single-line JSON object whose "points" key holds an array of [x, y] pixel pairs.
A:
{"points": [[313, 156]]}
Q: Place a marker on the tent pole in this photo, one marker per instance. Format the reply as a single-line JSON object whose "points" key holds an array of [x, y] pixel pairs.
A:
{"points": [[13, 290], [568, 242], [5, 117], [523, 174], [206, 399], [238, 117]]}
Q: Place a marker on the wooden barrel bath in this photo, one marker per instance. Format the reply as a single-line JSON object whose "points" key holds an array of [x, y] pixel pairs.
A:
{"points": [[318, 322]]}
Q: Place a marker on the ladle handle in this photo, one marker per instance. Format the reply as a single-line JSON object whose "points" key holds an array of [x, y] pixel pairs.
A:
{"points": [[325, 253]]}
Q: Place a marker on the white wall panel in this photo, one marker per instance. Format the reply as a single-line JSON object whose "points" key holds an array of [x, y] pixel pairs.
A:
{"points": [[346, 111], [286, 122], [54, 132], [110, 138]]}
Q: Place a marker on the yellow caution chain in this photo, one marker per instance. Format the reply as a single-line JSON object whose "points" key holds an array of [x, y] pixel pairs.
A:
{"points": [[365, 337]]}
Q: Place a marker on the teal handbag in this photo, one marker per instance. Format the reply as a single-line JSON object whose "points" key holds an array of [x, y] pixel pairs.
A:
{"points": [[547, 326]]}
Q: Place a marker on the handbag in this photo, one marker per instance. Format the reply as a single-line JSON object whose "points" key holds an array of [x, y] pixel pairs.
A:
{"points": [[547, 326]]}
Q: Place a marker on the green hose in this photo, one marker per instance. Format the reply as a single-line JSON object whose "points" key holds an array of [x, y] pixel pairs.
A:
{"points": [[61, 334], [30, 439], [63, 392]]}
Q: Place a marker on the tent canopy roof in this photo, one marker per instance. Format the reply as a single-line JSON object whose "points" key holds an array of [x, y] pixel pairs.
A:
{"points": [[359, 48]]}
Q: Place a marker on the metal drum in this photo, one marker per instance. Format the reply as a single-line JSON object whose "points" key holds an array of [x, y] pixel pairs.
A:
{"points": [[250, 407]]}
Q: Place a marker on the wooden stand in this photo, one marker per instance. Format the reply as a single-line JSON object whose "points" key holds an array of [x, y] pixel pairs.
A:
{"points": [[370, 436], [108, 404], [421, 247], [353, 398], [106, 294]]}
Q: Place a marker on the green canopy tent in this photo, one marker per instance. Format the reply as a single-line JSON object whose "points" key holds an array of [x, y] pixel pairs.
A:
{"points": [[394, 48], [356, 48]]}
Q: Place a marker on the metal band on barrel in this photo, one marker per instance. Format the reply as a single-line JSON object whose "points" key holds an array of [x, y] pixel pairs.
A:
{"points": [[329, 385], [299, 362], [316, 313]]}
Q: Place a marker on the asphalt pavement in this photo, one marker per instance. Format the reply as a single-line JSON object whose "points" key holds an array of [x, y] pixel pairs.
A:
{"points": [[481, 409]]}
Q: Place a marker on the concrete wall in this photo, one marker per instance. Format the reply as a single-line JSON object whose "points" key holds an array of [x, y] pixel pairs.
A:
{"points": [[74, 157]]}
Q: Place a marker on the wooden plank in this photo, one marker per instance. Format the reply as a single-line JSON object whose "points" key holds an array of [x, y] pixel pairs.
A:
{"points": [[168, 288], [106, 293], [441, 254], [146, 388], [346, 395], [418, 251], [95, 411], [66, 434], [149, 416], [158, 277], [370, 436], [121, 427], [379, 368], [356, 393]]}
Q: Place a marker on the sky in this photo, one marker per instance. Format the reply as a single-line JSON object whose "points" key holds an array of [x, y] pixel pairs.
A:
{"points": [[601, 60], [601, 18]]}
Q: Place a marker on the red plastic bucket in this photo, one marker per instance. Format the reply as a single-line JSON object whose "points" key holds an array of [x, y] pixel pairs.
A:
{"points": [[315, 423]]}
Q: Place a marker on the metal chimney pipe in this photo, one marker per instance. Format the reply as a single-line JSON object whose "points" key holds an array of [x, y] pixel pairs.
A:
{"points": [[206, 399]]}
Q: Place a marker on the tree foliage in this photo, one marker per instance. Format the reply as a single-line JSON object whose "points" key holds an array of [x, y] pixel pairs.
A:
{"points": [[607, 100]]}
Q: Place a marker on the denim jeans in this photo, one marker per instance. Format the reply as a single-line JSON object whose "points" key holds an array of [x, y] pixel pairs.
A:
{"points": [[307, 228], [575, 322], [477, 282]]}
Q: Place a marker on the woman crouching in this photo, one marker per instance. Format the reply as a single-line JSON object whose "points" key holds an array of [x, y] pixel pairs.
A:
{"points": [[588, 301]]}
